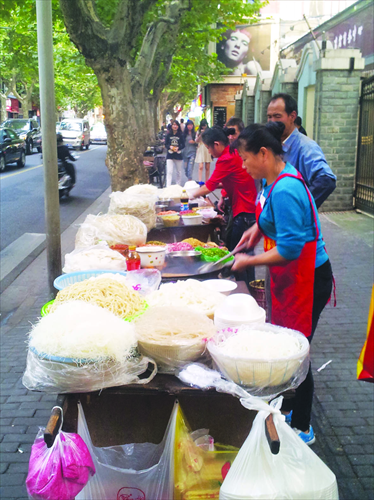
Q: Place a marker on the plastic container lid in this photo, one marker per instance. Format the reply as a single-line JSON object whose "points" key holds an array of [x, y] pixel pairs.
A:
{"points": [[239, 308]]}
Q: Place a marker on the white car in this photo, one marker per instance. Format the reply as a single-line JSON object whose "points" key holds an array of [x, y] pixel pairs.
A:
{"points": [[98, 134]]}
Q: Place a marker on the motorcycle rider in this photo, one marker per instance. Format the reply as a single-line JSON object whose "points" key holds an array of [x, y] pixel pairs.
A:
{"points": [[63, 154]]}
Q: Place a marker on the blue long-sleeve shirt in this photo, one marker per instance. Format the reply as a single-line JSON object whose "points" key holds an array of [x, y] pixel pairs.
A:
{"points": [[308, 158], [287, 218]]}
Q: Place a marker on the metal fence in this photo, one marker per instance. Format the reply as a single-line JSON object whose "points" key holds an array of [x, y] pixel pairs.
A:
{"points": [[364, 188]]}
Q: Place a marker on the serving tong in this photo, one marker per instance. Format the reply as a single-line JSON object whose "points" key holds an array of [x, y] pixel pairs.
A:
{"points": [[216, 266]]}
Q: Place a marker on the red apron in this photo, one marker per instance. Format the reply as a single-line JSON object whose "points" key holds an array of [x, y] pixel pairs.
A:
{"points": [[292, 284]]}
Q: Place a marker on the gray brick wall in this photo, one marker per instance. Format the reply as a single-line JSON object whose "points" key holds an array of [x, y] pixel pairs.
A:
{"points": [[290, 88], [250, 118], [335, 130], [264, 101], [238, 108]]}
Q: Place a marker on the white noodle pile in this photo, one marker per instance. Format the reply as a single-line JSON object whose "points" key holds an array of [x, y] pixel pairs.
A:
{"points": [[141, 206], [81, 330], [173, 191], [142, 189], [173, 326], [258, 344], [190, 293], [113, 229], [96, 257]]}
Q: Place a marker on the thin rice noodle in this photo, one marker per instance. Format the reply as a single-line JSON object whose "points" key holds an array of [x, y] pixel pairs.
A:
{"points": [[191, 294], [113, 229], [80, 330], [173, 326], [141, 206]]}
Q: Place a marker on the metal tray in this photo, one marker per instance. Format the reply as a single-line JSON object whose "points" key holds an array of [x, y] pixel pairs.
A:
{"points": [[185, 253]]}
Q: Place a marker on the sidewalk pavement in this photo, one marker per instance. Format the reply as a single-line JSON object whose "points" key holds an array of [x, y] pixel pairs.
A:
{"points": [[343, 407]]}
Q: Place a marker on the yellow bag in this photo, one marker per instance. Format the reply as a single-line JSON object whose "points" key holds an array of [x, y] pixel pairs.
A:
{"points": [[198, 474], [365, 364]]}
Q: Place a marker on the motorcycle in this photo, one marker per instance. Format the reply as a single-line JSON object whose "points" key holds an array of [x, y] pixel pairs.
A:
{"points": [[66, 173], [65, 181]]}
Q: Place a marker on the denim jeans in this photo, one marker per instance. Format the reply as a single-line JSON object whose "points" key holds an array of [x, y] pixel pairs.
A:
{"points": [[188, 166]]}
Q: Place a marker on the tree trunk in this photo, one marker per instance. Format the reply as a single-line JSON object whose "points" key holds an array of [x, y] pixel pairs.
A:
{"points": [[123, 115], [4, 114]]}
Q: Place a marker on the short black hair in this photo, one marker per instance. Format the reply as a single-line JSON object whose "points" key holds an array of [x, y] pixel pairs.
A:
{"points": [[290, 104], [215, 134], [235, 121], [298, 121]]}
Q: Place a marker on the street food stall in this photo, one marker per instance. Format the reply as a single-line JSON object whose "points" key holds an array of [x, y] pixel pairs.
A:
{"points": [[133, 353]]}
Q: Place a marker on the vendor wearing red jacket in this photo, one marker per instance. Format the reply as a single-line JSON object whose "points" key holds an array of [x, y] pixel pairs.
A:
{"points": [[238, 184]]}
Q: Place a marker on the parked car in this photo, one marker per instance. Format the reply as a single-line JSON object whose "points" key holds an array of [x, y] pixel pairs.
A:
{"points": [[98, 133], [57, 126], [76, 133], [12, 148], [28, 130]]}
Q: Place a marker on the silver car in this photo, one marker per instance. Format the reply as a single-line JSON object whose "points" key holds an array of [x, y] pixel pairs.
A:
{"points": [[76, 133]]}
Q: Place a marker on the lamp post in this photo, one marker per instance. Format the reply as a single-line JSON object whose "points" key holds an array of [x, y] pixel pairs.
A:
{"points": [[48, 120]]}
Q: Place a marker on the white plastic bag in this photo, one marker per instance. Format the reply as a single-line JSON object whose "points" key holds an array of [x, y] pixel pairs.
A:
{"points": [[295, 473], [138, 471]]}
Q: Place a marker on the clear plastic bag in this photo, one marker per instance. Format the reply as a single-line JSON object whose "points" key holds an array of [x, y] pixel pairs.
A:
{"points": [[262, 377], [59, 472], [98, 256], [295, 473], [113, 229], [141, 206], [53, 376], [137, 471], [145, 281]]}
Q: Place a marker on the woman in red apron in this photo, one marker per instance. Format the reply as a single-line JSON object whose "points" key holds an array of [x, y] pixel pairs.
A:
{"points": [[300, 271]]}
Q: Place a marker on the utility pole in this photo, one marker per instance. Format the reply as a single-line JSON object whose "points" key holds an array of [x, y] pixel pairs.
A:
{"points": [[49, 143]]}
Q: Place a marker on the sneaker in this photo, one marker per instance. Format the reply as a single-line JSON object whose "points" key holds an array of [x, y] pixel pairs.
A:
{"points": [[288, 418], [308, 437]]}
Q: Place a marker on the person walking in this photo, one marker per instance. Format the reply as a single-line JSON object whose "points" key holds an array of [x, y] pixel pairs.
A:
{"points": [[300, 269], [203, 158], [174, 144], [189, 152]]}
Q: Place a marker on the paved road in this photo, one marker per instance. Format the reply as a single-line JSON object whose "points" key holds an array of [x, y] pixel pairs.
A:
{"points": [[22, 194]]}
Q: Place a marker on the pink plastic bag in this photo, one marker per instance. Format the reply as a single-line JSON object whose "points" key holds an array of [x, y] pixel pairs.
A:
{"points": [[59, 472]]}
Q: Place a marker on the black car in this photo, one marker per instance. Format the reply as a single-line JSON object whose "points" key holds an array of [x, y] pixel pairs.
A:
{"points": [[28, 129], [12, 148]]}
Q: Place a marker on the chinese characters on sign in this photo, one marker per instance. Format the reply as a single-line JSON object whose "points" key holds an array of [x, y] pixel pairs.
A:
{"points": [[346, 38]]}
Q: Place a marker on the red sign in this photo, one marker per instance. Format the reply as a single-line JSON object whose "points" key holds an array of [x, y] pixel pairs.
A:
{"points": [[12, 105]]}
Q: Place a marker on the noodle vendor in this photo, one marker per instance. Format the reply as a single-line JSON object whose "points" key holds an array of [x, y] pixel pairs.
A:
{"points": [[238, 184], [300, 270]]}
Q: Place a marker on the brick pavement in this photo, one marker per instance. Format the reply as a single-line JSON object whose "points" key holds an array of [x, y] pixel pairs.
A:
{"points": [[343, 407]]}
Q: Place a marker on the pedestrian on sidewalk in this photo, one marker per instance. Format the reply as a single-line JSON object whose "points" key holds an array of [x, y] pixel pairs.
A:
{"points": [[300, 270], [174, 144], [189, 152], [203, 158]]}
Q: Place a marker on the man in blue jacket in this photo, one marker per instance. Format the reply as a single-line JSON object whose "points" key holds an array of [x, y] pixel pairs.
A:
{"points": [[301, 151]]}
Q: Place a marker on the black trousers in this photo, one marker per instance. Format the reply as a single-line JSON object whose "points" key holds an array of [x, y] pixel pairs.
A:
{"points": [[241, 223], [301, 404]]}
